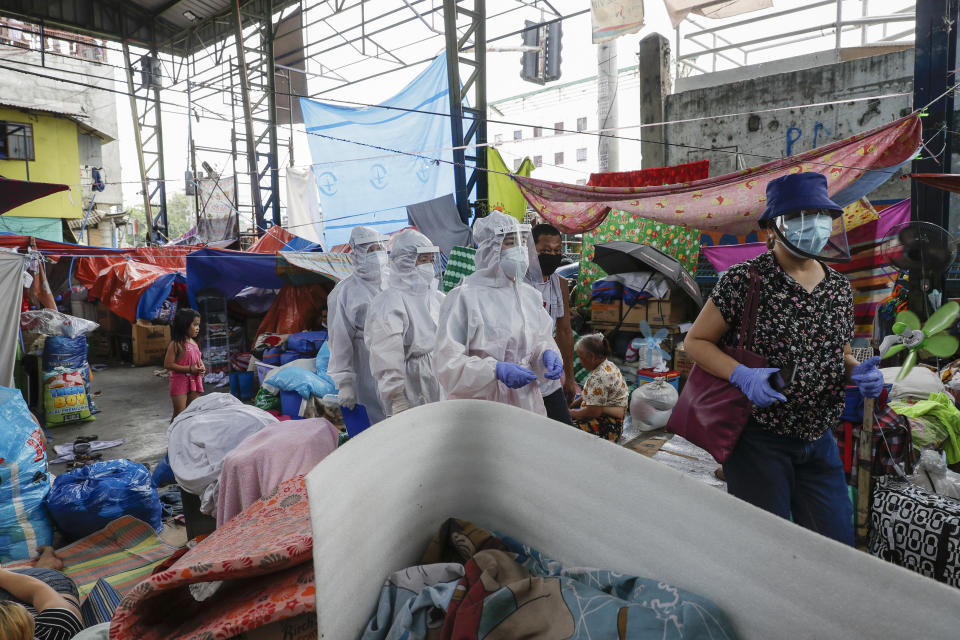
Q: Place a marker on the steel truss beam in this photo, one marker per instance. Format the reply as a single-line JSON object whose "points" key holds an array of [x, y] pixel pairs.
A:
{"points": [[256, 73], [470, 51], [148, 134]]}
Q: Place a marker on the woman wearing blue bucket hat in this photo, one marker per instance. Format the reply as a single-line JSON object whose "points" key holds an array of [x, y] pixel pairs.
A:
{"points": [[786, 460]]}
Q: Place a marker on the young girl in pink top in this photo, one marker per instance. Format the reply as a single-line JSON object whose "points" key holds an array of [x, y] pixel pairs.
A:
{"points": [[183, 360]]}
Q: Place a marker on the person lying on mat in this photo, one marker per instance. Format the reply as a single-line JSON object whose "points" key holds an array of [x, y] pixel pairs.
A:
{"points": [[603, 405], [786, 460], [48, 599]]}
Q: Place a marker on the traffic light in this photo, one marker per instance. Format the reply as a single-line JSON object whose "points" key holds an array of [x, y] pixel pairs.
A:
{"points": [[543, 65]]}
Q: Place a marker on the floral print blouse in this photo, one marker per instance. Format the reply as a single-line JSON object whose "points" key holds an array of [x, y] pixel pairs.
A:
{"points": [[605, 387], [794, 327]]}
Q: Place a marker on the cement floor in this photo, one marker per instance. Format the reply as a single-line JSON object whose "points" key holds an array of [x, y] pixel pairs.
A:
{"points": [[135, 407]]}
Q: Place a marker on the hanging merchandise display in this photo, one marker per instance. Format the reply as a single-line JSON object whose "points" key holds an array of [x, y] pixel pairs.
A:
{"points": [[366, 185], [504, 194], [733, 202]]}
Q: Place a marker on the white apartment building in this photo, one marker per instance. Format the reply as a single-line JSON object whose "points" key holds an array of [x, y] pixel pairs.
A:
{"points": [[556, 128]]}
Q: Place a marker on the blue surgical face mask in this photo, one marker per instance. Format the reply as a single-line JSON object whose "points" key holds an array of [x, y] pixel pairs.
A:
{"points": [[809, 233]]}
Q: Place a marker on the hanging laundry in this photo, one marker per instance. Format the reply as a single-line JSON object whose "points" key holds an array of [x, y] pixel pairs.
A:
{"points": [[504, 194], [304, 215], [439, 220], [733, 202]]}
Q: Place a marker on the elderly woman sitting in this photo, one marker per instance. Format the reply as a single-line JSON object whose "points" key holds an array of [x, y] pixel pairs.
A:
{"points": [[602, 406]]}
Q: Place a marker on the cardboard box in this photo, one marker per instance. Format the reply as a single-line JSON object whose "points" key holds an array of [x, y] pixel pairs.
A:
{"points": [[150, 342], [605, 312], [675, 308], [111, 322], [682, 363]]}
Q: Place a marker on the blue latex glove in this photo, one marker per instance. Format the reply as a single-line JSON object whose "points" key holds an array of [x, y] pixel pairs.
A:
{"points": [[868, 378], [755, 384], [554, 364], [513, 375]]}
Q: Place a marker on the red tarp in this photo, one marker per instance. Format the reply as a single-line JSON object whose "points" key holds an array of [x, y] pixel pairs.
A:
{"points": [[275, 239], [14, 193], [296, 308], [119, 281]]}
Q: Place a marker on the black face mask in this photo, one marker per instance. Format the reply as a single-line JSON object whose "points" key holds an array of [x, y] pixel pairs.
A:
{"points": [[549, 262]]}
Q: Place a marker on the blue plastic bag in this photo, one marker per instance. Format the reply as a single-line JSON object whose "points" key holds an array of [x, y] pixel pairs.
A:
{"points": [[306, 341], [606, 291], [323, 359], [306, 383], [24, 524], [163, 473], [69, 353], [87, 499]]}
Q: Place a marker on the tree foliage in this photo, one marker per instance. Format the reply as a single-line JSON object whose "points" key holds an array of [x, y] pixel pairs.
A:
{"points": [[180, 216]]}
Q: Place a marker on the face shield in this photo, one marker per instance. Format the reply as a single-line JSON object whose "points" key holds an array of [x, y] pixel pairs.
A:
{"points": [[514, 252], [428, 266], [819, 234]]}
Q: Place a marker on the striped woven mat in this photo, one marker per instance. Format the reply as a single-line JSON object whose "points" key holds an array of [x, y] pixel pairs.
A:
{"points": [[123, 553]]}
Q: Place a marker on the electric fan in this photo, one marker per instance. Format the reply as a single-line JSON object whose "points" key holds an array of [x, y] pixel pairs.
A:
{"points": [[924, 251]]}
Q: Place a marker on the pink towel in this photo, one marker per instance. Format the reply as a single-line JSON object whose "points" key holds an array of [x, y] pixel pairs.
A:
{"points": [[278, 452]]}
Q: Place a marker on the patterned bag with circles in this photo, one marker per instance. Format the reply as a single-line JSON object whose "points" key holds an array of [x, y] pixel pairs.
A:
{"points": [[916, 530]]}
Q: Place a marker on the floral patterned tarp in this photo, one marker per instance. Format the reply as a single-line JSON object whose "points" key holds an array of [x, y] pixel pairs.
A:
{"points": [[733, 202], [263, 555]]}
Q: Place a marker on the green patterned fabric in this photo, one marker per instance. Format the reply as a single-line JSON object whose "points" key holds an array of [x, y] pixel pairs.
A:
{"points": [[678, 242], [459, 266]]}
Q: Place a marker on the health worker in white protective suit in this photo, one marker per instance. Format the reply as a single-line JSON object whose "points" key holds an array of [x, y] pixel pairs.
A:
{"points": [[401, 328], [494, 339], [346, 314]]}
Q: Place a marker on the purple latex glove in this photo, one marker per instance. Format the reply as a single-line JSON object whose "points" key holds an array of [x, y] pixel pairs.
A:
{"points": [[755, 384], [554, 364], [513, 375], [868, 378]]}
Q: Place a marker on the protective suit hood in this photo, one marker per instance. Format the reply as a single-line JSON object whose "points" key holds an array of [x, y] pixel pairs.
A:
{"points": [[366, 265], [406, 246], [488, 233]]}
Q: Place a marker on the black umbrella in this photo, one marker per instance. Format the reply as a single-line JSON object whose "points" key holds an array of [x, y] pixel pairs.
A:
{"points": [[628, 257]]}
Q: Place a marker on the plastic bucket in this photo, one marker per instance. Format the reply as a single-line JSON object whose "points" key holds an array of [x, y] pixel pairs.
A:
{"points": [[290, 404], [241, 384]]}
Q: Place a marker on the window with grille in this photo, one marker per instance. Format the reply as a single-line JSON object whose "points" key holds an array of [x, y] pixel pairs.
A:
{"points": [[582, 154], [557, 128], [516, 164], [582, 124], [517, 134], [537, 132], [537, 161], [16, 141], [558, 157]]}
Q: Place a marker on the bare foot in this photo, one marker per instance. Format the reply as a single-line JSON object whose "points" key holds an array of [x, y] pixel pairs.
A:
{"points": [[48, 559]]}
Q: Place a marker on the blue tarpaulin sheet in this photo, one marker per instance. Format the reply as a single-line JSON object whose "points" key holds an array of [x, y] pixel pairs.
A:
{"points": [[155, 295], [230, 271], [369, 183]]}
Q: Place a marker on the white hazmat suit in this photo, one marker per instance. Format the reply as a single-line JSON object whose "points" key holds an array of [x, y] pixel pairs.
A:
{"points": [[401, 328], [346, 314], [493, 318]]}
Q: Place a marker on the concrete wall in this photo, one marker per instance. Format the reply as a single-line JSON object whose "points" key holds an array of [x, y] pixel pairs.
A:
{"points": [[754, 136]]}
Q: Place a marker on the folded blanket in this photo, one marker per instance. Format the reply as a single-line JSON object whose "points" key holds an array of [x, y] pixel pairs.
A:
{"points": [[509, 590]]}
